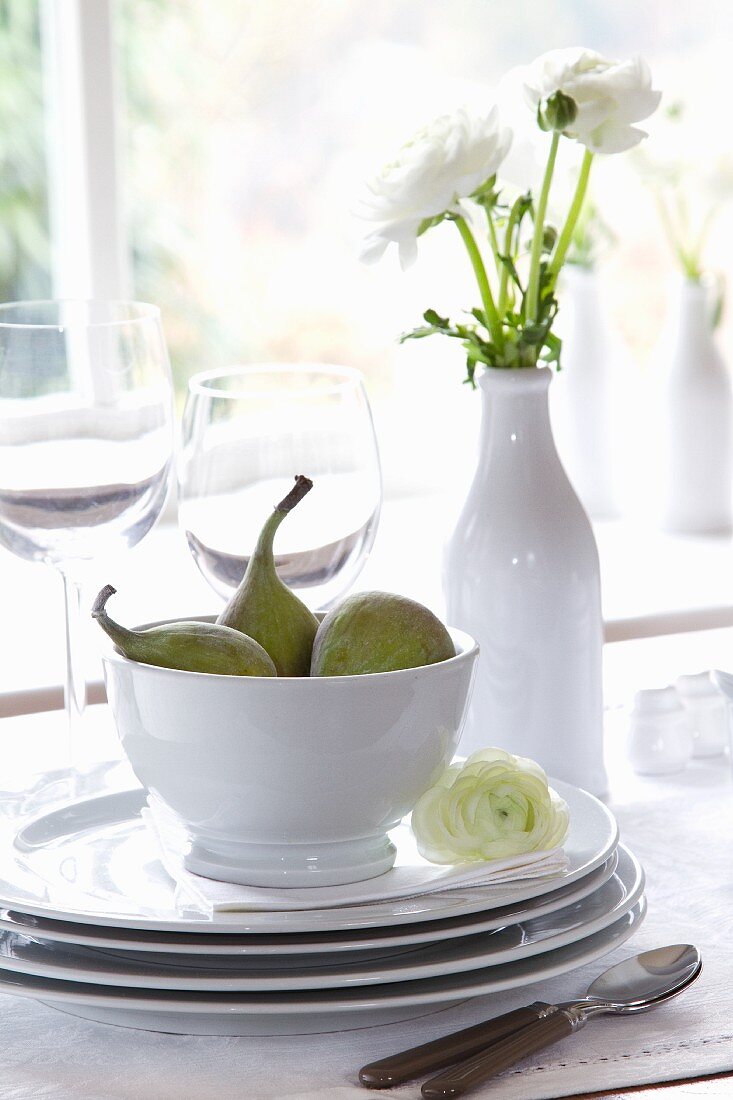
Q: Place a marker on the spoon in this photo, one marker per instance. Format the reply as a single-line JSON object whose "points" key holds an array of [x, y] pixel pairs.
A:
{"points": [[639, 977], [634, 985]]}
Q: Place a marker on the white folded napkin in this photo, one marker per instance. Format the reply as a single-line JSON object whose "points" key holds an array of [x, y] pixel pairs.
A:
{"points": [[410, 877]]}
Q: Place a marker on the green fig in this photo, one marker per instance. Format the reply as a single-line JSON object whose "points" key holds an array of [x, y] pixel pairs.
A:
{"points": [[378, 632], [188, 646], [265, 608]]}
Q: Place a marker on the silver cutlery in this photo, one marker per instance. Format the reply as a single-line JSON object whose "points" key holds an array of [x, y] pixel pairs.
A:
{"points": [[634, 985], [631, 986]]}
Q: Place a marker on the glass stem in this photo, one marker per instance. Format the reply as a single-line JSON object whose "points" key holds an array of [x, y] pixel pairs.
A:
{"points": [[75, 687]]}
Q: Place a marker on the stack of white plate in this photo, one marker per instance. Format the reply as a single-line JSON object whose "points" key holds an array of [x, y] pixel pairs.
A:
{"points": [[89, 924]]}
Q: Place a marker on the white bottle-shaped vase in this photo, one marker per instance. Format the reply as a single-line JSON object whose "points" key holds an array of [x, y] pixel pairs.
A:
{"points": [[697, 420], [584, 404], [521, 575]]}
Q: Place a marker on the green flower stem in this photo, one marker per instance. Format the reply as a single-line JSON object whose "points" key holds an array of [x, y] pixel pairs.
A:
{"points": [[494, 324], [682, 212], [508, 251], [494, 244], [702, 236], [674, 237], [533, 284], [688, 250], [565, 239]]}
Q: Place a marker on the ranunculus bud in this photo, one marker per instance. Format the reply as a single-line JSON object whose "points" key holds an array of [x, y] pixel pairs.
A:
{"points": [[557, 113], [608, 97], [549, 237], [493, 806]]}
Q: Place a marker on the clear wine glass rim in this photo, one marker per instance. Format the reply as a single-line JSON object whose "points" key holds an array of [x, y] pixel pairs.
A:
{"points": [[204, 382], [145, 310]]}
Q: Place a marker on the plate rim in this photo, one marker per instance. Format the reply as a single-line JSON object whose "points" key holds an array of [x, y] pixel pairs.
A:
{"points": [[427, 932], [434, 991], [313, 919], [401, 968]]}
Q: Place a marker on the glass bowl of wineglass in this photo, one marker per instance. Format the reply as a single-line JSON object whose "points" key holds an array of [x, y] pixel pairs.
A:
{"points": [[247, 431], [86, 443]]}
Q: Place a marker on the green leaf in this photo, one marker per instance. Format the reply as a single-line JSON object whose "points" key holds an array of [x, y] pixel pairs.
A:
{"points": [[552, 349], [511, 267], [433, 318], [533, 334], [417, 334], [549, 236], [478, 350], [486, 194], [428, 223], [523, 345], [523, 205]]}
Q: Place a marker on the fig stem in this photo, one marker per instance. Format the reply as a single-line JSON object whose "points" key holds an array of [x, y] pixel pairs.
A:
{"points": [[302, 486], [120, 635], [98, 607]]}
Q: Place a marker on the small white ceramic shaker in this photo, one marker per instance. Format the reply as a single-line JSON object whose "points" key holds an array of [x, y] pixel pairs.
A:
{"points": [[708, 711], [660, 732]]}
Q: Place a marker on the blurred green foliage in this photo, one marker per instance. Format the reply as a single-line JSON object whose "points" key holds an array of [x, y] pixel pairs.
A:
{"points": [[24, 235], [164, 163]]}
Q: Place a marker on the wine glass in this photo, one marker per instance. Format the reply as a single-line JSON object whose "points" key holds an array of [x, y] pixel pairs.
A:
{"points": [[86, 440], [247, 432]]}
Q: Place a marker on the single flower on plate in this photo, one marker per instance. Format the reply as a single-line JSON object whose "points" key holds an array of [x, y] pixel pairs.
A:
{"points": [[493, 806], [608, 96], [446, 161]]}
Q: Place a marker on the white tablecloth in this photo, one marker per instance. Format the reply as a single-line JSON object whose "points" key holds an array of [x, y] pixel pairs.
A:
{"points": [[681, 828]]}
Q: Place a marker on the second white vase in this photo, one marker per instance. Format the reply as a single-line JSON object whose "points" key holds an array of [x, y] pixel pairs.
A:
{"points": [[695, 413], [584, 404], [521, 574]]}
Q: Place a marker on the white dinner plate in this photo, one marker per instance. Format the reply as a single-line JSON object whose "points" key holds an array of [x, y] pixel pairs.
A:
{"points": [[93, 862], [308, 1013], [318, 944], [286, 974]]}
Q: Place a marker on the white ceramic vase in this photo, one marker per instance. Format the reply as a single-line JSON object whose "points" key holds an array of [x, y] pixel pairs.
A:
{"points": [[521, 574], [584, 395], [696, 410]]}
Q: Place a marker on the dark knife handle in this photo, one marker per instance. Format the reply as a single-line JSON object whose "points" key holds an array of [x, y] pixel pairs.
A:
{"points": [[451, 1048], [459, 1080]]}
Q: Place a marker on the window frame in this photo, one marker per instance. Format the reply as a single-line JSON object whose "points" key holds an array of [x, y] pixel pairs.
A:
{"points": [[90, 255]]}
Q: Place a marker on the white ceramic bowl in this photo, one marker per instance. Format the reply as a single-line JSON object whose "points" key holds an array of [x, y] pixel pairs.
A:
{"points": [[290, 781]]}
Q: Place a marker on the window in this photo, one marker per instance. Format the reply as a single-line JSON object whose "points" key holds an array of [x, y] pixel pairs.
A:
{"points": [[247, 136], [245, 131], [248, 130], [25, 264], [219, 151]]}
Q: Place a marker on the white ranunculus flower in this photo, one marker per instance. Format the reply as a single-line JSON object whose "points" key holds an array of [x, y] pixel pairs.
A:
{"points": [[493, 806], [442, 164], [609, 95]]}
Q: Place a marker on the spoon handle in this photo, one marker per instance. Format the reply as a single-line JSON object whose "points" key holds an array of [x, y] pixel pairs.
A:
{"points": [[459, 1080], [442, 1052]]}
